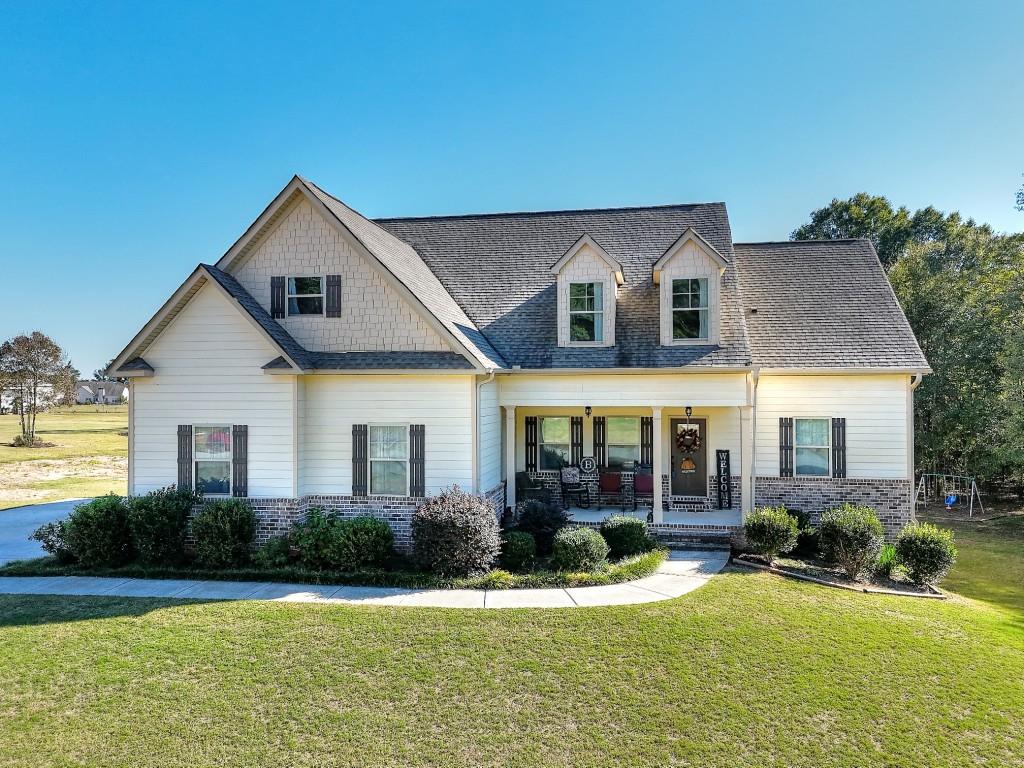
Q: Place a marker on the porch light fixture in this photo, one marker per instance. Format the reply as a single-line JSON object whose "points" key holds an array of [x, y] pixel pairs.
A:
{"points": [[689, 412], [588, 410]]}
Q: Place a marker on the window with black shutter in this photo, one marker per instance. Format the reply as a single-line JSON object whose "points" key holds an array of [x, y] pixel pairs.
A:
{"points": [[599, 442], [240, 460], [277, 296], [359, 451], [839, 447], [785, 447], [530, 429]]}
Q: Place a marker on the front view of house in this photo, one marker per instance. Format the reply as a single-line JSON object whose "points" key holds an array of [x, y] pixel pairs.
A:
{"points": [[330, 360]]}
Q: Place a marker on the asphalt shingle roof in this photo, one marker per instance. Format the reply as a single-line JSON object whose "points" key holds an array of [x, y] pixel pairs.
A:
{"points": [[822, 304], [497, 267]]}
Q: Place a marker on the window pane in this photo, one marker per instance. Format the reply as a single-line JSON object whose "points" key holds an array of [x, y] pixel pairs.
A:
{"points": [[213, 477], [387, 478], [686, 324], [622, 457], [304, 285], [554, 455], [582, 327], [701, 293], [307, 305], [812, 461], [213, 443], [581, 296], [596, 290], [623, 429], [388, 442], [812, 432], [554, 429]]}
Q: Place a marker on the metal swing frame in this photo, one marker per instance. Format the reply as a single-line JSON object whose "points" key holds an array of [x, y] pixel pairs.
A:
{"points": [[936, 485]]}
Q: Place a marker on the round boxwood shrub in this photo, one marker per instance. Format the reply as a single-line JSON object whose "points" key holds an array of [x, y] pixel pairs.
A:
{"points": [[926, 551], [363, 542], [851, 535], [578, 548], [224, 530], [455, 533], [770, 530], [97, 532], [159, 523], [625, 536], [52, 537], [518, 551], [542, 521]]}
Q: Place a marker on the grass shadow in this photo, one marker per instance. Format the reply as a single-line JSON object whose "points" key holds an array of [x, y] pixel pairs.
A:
{"points": [[35, 610]]}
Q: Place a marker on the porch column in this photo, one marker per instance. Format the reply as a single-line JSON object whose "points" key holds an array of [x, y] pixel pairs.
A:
{"points": [[510, 457], [747, 458], [657, 469]]}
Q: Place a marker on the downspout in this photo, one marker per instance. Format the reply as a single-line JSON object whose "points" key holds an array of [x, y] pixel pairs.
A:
{"points": [[755, 375], [476, 430]]}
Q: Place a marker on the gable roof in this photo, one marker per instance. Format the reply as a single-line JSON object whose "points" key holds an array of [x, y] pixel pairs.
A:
{"points": [[690, 235], [586, 241], [497, 267], [823, 304]]}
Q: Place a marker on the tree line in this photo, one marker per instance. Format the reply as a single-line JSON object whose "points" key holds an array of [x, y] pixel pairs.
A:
{"points": [[961, 286]]}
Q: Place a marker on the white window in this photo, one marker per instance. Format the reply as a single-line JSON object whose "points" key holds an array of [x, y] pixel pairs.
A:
{"points": [[305, 295], [812, 447], [623, 442], [554, 441], [586, 312], [212, 456], [389, 459], [690, 308]]}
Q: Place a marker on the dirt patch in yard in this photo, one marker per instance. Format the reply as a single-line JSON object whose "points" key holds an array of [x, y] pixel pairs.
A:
{"points": [[20, 479]]}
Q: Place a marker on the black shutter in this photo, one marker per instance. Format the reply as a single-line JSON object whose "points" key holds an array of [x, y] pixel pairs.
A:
{"points": [[333, 298], [531, 443], [600, 442], [576, 436], [277, 297], [838, 447], [240, 460], [785, 447], [359, 450], [184, 456], [647, 441], [417, 450]]}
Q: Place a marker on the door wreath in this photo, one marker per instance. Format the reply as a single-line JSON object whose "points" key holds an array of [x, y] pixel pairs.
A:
{"points": [[688, 439]]}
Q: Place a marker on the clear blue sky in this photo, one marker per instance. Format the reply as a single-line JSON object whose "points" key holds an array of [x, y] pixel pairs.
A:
{"points": [[139, 139]]}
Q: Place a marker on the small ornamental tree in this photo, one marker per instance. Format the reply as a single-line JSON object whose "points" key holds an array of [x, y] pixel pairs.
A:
{"points": [[456, 534]]}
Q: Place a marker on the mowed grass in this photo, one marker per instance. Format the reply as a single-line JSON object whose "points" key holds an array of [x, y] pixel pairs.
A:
{"points": [[990, 565], [750, 670], [87, 458]]}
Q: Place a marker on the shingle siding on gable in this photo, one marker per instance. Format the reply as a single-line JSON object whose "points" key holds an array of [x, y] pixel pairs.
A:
{"points": [[587, 267], [690, 262], [373, 315]]}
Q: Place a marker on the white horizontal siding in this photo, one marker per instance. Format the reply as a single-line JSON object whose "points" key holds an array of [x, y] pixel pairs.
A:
{"points": [[594, 389], [489, 438], [208, 371], [875, 409], [443, 404]]}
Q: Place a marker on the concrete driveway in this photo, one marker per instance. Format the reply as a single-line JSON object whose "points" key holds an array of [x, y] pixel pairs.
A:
{"points": [[16, 525]]}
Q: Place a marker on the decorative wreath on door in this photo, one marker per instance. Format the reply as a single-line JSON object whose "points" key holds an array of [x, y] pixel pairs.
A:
{"points": [[688, 439]]}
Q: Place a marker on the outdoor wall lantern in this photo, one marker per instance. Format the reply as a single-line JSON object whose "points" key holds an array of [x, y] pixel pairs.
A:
{"points": [[588, 411]]}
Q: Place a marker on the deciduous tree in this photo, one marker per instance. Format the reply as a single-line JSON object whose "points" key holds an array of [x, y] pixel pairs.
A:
{"points": [[33, 370]]}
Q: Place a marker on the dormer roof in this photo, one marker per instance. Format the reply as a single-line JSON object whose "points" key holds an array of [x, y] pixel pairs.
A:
{"points": [[689, 236], [586, 241]]}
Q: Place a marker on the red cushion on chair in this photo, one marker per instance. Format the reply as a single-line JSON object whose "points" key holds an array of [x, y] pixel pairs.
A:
{"points": [[610, 483], [643, 484]]}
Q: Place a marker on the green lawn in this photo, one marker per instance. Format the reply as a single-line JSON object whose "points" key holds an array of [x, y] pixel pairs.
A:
{"points": [[750, 670], [88, 457], [991, 558]]}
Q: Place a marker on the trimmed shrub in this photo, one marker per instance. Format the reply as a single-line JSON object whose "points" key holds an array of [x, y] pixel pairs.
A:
{"points": [[625, 536], [770, 530], [455, 534], [926, 551], [53, 539], [578, 549], [224, 530], [316, 538], [885, 563], [363, 542], [518, 551], [275, 553], [542, 521], [851, 535], [97, 532], [159, 523]]}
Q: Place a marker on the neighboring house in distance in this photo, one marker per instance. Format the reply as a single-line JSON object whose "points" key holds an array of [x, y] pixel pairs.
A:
{"points": [[330, 360], [101, 393]]}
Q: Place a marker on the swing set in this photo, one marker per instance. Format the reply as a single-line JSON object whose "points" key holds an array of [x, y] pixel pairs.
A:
{"points": [[953, 489]]}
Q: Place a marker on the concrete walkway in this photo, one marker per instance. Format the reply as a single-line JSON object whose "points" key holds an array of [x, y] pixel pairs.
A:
{"points": [[17, 524], [683, 572]]}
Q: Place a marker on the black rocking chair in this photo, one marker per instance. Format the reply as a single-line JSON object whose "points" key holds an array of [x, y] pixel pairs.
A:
{"points": [[530, 488], [573, 487]]}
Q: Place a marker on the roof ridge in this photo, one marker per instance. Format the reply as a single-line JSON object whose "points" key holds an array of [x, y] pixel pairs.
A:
{"points": [[798, 242], [494, 214]]}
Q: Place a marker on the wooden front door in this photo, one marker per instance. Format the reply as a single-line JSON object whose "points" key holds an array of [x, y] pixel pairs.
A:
{"points": [[689, 468]]}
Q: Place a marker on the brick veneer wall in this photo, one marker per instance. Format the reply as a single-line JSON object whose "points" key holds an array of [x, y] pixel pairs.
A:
{"points": [[893, 500]]}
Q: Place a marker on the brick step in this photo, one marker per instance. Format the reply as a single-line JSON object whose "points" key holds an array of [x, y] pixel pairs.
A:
{"points": [[699, 545]]}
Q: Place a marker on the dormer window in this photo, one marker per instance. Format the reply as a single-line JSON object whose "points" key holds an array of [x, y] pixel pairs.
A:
{"points": [[690, 309], [305, 296], [586, 312]]}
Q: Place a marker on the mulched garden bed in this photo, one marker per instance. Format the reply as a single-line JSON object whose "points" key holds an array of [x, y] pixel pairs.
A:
{"points": [[831, 575]]}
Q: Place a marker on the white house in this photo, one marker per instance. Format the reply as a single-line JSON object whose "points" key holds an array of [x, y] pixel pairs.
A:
{"points": [[330, 360], [101, 393]]}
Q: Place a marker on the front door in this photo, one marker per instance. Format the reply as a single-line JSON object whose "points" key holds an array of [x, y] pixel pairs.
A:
{"points": [[689, 465]]}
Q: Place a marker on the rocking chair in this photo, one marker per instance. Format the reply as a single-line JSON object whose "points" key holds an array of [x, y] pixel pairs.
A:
{"points": [[573, 487]]}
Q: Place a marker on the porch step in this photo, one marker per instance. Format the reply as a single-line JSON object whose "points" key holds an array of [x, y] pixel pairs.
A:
{"points": [[693, 541]]}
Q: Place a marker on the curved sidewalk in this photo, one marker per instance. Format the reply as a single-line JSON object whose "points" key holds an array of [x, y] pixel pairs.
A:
{"points": [[683, 572]]}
